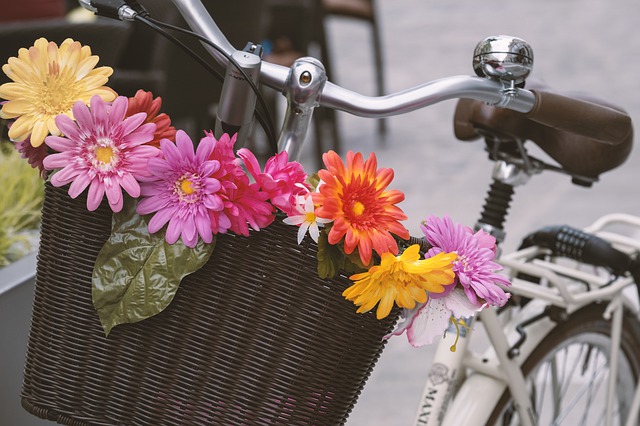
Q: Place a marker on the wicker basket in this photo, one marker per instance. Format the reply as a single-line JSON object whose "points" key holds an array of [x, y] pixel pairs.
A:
{"points": [[254, 337]]}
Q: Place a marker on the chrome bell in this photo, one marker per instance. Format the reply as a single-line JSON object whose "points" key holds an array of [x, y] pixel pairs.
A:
{"points": [[504, 58]]}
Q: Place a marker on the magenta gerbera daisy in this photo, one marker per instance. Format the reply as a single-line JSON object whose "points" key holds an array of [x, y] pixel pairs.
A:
{"points": [[101, 150], [245, 204], [474, 267], [182, 191]]}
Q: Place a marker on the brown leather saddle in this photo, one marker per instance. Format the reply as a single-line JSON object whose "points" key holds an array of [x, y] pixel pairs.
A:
{"points": [[578, 155]]}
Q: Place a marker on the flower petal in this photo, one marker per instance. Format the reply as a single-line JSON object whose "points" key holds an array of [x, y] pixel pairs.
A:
{"points": [[95, 195], [429, 324]]}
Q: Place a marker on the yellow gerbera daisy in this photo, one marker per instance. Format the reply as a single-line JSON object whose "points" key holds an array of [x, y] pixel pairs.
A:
{"points": [[403, 279], [47, 81]]}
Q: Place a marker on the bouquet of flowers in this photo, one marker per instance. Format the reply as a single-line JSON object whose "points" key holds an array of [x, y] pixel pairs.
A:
{"points": [[171, 198]]}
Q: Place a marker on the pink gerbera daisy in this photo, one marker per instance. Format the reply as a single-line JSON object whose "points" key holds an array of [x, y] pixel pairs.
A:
{"points": [[282, 180], [182, 191], [101, 150], [246, 205]]}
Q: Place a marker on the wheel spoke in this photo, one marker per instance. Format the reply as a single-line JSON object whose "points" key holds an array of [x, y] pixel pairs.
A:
{"points": [[568, 382]]}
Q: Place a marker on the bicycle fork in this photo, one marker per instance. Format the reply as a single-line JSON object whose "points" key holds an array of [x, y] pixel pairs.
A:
{"points": [[445, 376], [492, 377], [511, 368]]}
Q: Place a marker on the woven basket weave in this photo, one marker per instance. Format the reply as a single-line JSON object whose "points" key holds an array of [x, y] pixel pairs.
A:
{"points": [[254, 337]]}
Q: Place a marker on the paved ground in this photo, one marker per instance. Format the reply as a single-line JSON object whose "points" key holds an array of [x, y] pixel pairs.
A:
{"points": [[579, 45], [588, 45]]}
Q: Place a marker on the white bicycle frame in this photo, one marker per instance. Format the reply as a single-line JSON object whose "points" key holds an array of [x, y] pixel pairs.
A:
{"points": [[484, 378]]}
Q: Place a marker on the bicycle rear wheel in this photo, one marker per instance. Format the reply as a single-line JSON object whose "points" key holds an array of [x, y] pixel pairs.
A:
{"points": [[567, 374]]}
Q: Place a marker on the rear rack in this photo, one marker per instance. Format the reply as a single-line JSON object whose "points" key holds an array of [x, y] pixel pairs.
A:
{"points": [[570, 284]]}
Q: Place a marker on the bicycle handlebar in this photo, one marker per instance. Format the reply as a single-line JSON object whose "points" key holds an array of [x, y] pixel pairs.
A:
{"points": [[334, 96], [564, 113]]}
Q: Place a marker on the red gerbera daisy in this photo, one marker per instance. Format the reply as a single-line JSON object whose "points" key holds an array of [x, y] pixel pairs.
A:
{"points": [[144, 102]]}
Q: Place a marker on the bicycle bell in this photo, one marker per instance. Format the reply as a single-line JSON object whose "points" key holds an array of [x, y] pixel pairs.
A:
{"points": [[504, 58]]}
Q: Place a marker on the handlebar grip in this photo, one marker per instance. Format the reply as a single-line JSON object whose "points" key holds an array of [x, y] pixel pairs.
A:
{"points": [[599, 122], [575, 244]]}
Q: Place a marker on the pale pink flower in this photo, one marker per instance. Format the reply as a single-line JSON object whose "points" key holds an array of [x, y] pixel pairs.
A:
{"points": [[182, 191], [281, 179], [101, 150], [429, 321]]}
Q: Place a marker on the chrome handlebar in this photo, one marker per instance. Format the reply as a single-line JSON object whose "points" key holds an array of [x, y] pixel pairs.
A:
{"points": [[502, 63]]}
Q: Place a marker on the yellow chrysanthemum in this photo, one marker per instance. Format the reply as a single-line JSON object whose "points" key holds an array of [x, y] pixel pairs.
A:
{"points": [[47, 81], [403, 279]]}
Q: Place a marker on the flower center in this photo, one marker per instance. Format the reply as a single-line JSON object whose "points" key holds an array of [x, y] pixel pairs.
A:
{"points": [[462, 262], [104, 154], [358, 208], [310, 217], [187, 186], [57, 93]]}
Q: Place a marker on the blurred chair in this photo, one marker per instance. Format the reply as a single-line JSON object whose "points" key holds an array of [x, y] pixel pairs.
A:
{"points": [[145, 58], [29, 10], [364, 11]]}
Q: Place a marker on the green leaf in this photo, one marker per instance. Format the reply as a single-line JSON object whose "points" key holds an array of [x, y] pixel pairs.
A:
{"points": [[313, 180], [136, 274], [328, 257], [332, 259], [352, 262]]}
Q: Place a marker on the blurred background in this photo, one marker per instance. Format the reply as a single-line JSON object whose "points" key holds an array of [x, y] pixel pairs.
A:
{"points": [[579, 45]]}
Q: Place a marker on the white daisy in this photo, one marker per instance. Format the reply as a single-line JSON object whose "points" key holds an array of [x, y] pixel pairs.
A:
{"points": [[307, 219]]}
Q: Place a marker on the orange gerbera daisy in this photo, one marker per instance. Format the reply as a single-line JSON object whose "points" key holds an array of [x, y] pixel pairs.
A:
{"points": [[362, 210]]}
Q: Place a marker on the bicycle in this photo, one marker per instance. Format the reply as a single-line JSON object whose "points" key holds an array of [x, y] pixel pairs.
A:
{"points": [[561, 311], [483, 316], [501, 90]]}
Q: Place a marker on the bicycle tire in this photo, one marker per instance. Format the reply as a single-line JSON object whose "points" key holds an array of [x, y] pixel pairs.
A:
{"points": [[587, 330]]}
